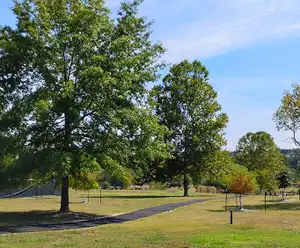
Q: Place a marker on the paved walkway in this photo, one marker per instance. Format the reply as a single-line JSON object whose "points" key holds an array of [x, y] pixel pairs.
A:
{"points": [[135, 215]]}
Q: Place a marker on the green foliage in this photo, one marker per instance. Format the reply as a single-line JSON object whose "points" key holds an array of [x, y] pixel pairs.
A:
{"points": [[187, 104], [267, 180], [157, 186], [72, 90], [105, 185], [259, 153], [285, 178], [122, 180], [215, 168], [287, 116]]}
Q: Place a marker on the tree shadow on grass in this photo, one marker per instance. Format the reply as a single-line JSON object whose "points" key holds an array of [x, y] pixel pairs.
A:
{"points": [[41, 217], [272, 206], [229, 208], [280, 206], [134, 196], [149, 196]]}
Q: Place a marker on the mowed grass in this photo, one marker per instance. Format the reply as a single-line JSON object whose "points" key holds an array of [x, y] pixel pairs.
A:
{"points": [[199, 225], [21, 211]]}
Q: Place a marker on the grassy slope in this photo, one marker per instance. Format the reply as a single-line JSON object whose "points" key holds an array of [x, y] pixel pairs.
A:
{"points": [[199, 225]]}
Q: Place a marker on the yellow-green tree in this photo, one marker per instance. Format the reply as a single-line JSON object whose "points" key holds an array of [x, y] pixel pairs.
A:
{"points": [[287, 116]]}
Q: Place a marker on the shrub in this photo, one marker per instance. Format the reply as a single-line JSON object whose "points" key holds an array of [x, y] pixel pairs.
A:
{"points": [[105, 185], [157, 186]]}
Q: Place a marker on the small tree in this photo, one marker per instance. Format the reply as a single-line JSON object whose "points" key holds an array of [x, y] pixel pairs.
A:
{"points": [[285, 179], [266, 180], [241, 182], [259, 153]]}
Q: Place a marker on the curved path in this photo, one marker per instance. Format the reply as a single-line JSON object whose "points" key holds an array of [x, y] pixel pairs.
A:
{"points": [[138, 214]]}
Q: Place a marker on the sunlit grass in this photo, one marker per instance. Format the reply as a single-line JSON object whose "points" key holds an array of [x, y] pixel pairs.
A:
{"points": [[199, 225]]}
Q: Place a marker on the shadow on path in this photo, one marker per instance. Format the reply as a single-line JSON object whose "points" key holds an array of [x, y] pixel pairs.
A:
{"points": [[138, 214]]}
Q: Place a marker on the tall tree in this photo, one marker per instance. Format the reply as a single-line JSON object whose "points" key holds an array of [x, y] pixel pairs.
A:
{"points": [[187, 104], [258, 152], [287, 116], [72, 90]]}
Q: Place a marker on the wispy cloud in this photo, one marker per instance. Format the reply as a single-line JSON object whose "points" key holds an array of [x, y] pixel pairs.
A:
{"points": [[200, 29], [231, 25]]}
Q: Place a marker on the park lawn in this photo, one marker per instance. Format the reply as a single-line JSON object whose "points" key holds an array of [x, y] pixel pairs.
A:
{"points": [[21, 211], [199, 225]]}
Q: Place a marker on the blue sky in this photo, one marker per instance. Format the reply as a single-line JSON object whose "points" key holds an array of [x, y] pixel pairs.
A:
{"points": [[250, 47]]}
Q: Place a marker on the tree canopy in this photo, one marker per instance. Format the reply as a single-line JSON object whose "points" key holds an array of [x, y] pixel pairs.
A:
{"points": [[259, 153], [287, 116], [72, 91], [187, 105]]}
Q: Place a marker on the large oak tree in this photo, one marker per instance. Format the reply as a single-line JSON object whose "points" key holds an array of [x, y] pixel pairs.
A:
{"points": [[72, 91]]}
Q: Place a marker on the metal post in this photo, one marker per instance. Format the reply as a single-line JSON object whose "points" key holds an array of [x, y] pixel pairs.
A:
{"points": [[231, 217], [266, 201], [226, 200], [88, 196], [100, 195]]}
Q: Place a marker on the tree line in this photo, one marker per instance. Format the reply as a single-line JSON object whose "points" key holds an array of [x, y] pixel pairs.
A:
{"points": [[75, 106]]}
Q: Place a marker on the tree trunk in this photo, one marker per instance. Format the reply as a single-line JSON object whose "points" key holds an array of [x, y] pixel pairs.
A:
{"points": [[185, 185], [64, 202], [241, 205]]}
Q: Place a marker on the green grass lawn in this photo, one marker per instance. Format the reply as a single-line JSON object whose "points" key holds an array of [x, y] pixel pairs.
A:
{"points": [[44, 209], [198, 225]]}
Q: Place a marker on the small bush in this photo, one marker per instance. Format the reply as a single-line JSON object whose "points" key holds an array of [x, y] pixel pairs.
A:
{"points": [[105, 185], [157, 186]]}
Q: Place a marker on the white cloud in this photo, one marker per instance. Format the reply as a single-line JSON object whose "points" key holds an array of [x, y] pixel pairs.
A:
{"points": [[201, 29], [231, 25]]}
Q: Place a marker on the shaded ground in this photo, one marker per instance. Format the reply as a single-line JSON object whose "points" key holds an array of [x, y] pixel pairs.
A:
{"points": [[280, 206], [41, 217], [98, 221], [145, 196], [135, 196]]}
